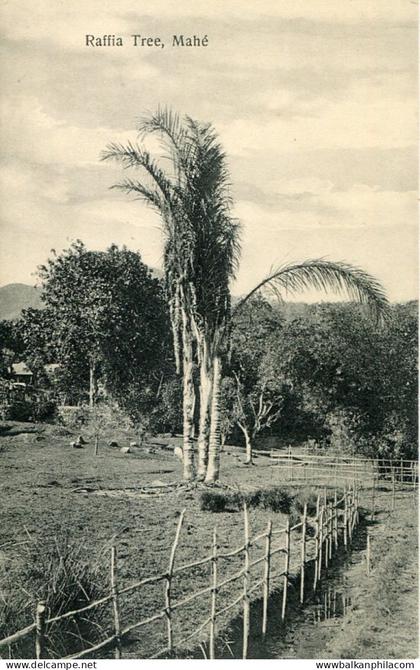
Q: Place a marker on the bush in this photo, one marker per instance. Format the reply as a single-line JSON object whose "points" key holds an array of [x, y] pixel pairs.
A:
{"points": [[213, 501], [19, 410], [45, 410], [23, 410], [73, 416], [275, 499]]}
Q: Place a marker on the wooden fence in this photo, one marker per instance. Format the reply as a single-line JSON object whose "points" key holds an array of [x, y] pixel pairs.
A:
{"points": [[303, 550], [337, 470]]}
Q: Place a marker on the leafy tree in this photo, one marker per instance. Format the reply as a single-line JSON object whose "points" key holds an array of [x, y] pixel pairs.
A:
{"points": [[356, 379], [107, 318], [166, 414], [11, 346], [258, 395], [36, 331]]}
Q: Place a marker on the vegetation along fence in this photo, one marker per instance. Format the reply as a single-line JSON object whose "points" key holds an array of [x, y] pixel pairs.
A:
{"points": [[269, 563]]}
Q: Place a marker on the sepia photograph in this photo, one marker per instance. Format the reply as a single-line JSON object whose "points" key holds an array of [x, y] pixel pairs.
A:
{"points": [[208, 332]]}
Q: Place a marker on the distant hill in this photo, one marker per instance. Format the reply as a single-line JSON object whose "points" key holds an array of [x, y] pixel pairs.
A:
{"points": [[15, 297]]}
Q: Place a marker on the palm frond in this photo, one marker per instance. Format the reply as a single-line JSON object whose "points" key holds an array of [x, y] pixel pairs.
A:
{"points": [[149, 195], [202, 244], [323, 275], [174, 139], [132, 155]]}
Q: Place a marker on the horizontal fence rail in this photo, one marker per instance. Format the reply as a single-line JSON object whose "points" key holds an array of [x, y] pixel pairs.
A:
{"points": [[341, 469]]}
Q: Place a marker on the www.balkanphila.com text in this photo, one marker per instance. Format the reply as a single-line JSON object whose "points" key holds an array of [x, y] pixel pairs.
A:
{"points": [[364, 665]]}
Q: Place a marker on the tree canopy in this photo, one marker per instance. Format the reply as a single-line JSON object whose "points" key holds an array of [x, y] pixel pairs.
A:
{"points": [[107, 318]]}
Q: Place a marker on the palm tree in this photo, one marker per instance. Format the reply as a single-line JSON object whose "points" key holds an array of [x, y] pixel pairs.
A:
{"points": [[201, 255], [295, 278], [201, 250]]}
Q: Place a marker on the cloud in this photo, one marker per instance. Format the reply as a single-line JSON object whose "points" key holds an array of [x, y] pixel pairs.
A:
{"points": [[35, 136], [368, 117], [312, 204], [57, 21], [314, 103]]}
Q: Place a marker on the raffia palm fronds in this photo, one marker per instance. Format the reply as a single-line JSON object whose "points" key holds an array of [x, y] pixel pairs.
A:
{"points": [[202, 245], [322, 274]]}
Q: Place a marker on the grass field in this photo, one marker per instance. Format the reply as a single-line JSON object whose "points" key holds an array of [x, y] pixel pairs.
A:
{"points": [[52, 493], [56, 498]]}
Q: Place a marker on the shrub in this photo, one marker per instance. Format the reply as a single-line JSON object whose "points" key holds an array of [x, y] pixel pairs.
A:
{"points": [[19, 410], [275, 498], [45, 410], [73, 417], [213, 501]]}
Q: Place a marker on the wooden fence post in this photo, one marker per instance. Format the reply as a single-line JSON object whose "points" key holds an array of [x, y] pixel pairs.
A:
{"points": [[335, 521], [246, 586], [290, 468], [286, 569], [393, 489], [115, 602], [373, 500], [356, 505], [168, 581], [345, 518], [368, 555], [266, 593], [40, 629], [303, 554], [331, 531], [350, 514], [321, 540], [212, 636], [326, 550], [316, 545]]}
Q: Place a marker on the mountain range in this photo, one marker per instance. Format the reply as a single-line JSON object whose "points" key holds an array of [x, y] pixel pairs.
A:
{"points": [[16, 297]]}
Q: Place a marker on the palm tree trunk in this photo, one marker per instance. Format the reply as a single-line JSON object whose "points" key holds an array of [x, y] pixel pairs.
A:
{"points": [[215, 433], [206, 384], [188, 402], [174, 310]]}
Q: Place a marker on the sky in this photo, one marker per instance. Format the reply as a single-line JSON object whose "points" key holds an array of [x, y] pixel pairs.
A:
{"points": [[314, 102]]}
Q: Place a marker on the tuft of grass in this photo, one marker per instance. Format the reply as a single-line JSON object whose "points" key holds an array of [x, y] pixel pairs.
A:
{"points": [[58, 574]]}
